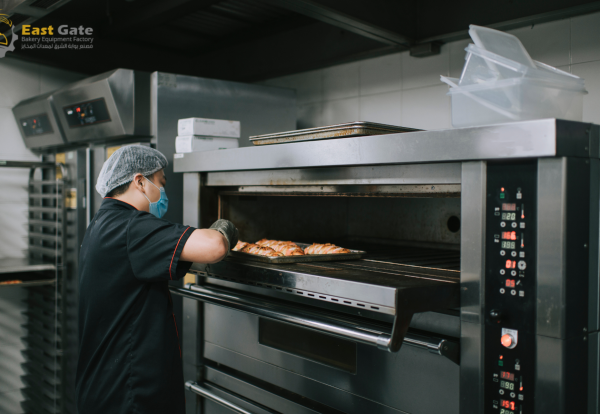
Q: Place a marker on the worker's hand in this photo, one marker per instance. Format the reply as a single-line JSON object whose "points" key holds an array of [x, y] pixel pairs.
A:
{"points": [[227, 229]]}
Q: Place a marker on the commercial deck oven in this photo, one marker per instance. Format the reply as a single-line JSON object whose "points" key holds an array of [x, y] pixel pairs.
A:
{"points": [[479, 292]]}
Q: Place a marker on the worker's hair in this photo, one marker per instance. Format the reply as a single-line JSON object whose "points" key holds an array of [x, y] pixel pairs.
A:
{"points": [[117, 191]]}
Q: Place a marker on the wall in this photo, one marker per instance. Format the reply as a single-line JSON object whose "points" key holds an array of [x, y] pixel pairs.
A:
{"points": [[18, 80], [398, 89]]}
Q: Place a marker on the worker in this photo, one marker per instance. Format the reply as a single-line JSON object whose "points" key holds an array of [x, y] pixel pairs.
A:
{"points": [[129, 351]]}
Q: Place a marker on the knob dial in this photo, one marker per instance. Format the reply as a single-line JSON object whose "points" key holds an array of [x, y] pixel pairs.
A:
{"points": [[508, 341], [495, 315]]}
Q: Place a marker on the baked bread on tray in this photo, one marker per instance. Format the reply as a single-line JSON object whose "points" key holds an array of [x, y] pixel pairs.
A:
{"points": [[326, 248], [276, 248]]}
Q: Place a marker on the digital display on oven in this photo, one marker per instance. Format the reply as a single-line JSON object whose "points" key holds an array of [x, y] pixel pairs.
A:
{"points": [[87, 113], [509, 207], [509, 216], [36, 125]]}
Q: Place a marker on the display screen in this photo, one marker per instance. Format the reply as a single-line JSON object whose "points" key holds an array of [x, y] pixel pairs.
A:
{"points": [[509, 235], [87, 113], [510, 284], [508, 245], [505, 374], [507, 385], [511, 264], [509, 216], [36, 125], [505, 411], [509, 207]]}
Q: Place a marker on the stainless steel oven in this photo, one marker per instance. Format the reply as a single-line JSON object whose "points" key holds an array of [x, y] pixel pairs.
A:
{"points": [[479, 292]]}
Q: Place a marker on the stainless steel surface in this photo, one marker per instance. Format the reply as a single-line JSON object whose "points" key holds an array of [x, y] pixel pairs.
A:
{"points": [[308, 258], [19, 265], [205, 393], [25, 164], [40, 105], [350, 129], [471, 368], [310, 319], [473, 202], [372, 283], [417, 174], [551, 246], [411, 381], [472, 268], [528, 139], [126, 94], [241, 390], [439, 190]]}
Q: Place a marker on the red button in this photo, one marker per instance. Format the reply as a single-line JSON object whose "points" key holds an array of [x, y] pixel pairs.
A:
{"points": [[506, 340]]}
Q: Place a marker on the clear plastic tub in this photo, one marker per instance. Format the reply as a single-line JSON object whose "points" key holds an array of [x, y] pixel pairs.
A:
{"points": [[511, 100], [477, 69]]}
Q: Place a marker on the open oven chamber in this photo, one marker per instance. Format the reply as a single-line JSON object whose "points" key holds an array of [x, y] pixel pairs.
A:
{"points": [[416, 325]]}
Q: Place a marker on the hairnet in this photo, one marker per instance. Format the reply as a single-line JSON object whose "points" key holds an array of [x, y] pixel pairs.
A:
{"points": [[125, 163]]}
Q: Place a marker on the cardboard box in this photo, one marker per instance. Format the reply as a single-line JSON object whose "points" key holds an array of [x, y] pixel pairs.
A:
{"points": [[193, 143], [208, 127]]}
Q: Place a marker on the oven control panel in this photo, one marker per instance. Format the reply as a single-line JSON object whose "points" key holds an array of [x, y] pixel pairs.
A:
{"points": [[509, 331]]}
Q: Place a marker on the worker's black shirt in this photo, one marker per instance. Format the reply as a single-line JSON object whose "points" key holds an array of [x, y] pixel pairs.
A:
{"points": [[129, 353]]}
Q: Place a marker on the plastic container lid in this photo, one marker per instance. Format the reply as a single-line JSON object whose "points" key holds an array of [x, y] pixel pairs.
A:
{"points": [[501, 43], [504, 68]]}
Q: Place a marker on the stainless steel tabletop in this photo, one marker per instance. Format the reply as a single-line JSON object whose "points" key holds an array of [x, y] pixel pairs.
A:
{"points": [[527, 139]]}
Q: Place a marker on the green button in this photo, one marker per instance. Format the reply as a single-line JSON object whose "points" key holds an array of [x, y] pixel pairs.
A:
{"points": [[501, 363], [501, 195]]}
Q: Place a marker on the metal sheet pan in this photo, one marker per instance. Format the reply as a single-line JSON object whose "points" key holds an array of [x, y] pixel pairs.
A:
{"points": [[353, 255], [351, 129]]}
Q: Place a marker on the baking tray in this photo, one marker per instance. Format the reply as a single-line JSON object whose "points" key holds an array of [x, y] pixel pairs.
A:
{"points": [[353, 255], [351, 129]]}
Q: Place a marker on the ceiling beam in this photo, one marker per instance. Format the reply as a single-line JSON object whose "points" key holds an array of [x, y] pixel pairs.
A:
{"points": [[154, 14], [339, 16], [308, 47]]}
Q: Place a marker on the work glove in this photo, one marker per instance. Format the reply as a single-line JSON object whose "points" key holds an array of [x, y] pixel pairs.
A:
{"points": [[227, 229]]}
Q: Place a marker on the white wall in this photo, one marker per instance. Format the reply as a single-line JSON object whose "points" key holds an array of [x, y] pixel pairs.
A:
{"points": [[398, 89], [18, 80]]}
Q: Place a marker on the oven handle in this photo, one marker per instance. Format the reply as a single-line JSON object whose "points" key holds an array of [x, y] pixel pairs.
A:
{"points": [[316, 320], [205, 393]]}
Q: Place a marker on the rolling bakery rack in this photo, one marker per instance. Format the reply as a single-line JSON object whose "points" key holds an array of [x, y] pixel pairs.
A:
{"points": [[41, 271]]}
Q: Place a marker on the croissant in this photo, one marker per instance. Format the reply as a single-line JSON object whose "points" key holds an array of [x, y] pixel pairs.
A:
{"points": [[260, 251], [239, 246], [269, 243], [326, 248], [288, 248]]}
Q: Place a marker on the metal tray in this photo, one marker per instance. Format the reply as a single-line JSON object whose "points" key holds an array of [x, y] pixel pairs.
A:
{"points": [[351, 129], [355, 254]]}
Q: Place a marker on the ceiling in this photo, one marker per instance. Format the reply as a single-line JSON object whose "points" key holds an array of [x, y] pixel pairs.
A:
{"points": [[251, 40]]}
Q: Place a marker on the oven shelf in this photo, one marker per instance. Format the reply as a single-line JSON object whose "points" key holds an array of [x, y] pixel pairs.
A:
{"points": [[29, 272]]}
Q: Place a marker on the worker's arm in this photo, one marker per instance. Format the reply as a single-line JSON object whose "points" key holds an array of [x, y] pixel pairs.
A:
{"points": [[205, 246], [210, 245]]}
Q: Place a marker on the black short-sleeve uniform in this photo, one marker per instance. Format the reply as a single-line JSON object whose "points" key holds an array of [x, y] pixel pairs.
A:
{"points": [[129, 352]]}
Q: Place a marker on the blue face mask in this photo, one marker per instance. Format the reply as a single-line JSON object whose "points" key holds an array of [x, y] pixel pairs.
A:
{"points": [[158, 208]]}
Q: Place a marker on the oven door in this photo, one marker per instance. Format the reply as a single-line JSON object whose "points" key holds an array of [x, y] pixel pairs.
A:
{"points": [[328, 371]]}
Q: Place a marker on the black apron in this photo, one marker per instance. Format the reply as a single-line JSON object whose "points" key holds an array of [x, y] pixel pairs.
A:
{"points": [[129, 352]]}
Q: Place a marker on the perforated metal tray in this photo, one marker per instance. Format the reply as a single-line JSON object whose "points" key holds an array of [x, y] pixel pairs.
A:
{"points": [[353, 255], [351, 129]]}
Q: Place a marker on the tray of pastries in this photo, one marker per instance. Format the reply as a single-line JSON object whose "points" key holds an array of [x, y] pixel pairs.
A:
{"points": [[277, 251]]}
